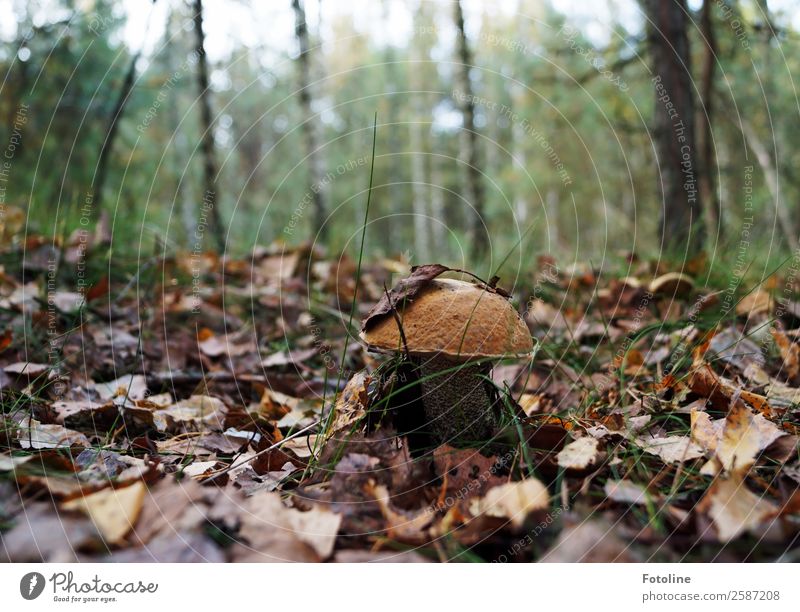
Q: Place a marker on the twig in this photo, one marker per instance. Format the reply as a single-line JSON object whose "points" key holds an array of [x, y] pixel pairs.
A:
{"points": [[397, 320]]}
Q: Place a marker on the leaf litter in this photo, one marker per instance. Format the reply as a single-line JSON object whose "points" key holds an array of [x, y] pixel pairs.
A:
{"points": [[647, 428]]}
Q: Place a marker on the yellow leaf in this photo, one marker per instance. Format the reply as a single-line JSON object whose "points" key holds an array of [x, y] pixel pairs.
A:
{"points": [[113, 511], [514, 501]]}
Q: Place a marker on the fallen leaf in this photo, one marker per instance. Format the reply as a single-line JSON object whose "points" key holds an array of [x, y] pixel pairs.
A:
{"points": [[33, 434], [738, 439], [288, 358], [77, 413], [590, 541], [733, 508], [734, 347], [41, 535], [401, 526], [580, 454], [171, 505], [406, 289], [790, 352], [272, 532], [134, 387], [197, 413], [250, 482], [513, 501], [754, 303], [113, 511], [627, 492], [465, 473], [706, 383], [23, 368], [351, 405], [9, 464], [671, 449], [199, 469]]}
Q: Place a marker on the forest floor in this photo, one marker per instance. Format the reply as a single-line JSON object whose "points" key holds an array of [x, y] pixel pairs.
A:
{"points": [[193, 412]]}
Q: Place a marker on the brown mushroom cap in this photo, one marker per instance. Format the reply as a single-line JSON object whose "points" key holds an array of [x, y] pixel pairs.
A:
{"points": [[456, 319]]}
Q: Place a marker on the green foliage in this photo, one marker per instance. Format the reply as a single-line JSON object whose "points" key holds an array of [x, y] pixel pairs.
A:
{"points": [[565, 127]]}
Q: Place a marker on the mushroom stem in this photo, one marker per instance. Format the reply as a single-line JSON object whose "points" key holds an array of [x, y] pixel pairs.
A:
{"points": [[458, 408]]}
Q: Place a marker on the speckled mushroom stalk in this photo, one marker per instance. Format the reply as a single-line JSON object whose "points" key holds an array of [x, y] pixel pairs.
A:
{"points": [[456, 400], [453, 331]]}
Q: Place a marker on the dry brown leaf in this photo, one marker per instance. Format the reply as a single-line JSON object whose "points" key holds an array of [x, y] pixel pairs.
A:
{"points": [[9, 464], [23, 368], [273, 532], [134, 387], [720, 391], [113, 511], [32, 434], [406, 289], [530, 403], [41, 535], [288, 357], [738, 439], [790, 352], [733, 508], [399, 525], [627, 492], [589, 541], [671, 449], [200, 469], [197, 413], [351, 405], [580, 454], [705, 431], [171, 505], [71, 413], [275, 405], [754, 303], [513, 501]]}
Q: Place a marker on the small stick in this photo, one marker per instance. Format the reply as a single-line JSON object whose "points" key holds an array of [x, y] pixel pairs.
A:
{"points": [[397, 320]]}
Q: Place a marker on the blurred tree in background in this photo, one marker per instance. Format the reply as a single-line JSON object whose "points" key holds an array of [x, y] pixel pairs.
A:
{"points": [[552, 125]]}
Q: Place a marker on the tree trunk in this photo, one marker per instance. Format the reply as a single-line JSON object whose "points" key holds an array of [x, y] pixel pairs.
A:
{"points": [[681, 224], [421, 190], [708, 161], [439, 222], [111, 133], [772, 179], [522, 187], [420, 187], [316, 170], [470, 149], [210, 200]]}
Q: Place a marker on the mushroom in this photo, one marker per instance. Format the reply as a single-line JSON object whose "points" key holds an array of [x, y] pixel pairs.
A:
{"points": [[453, 331]]}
